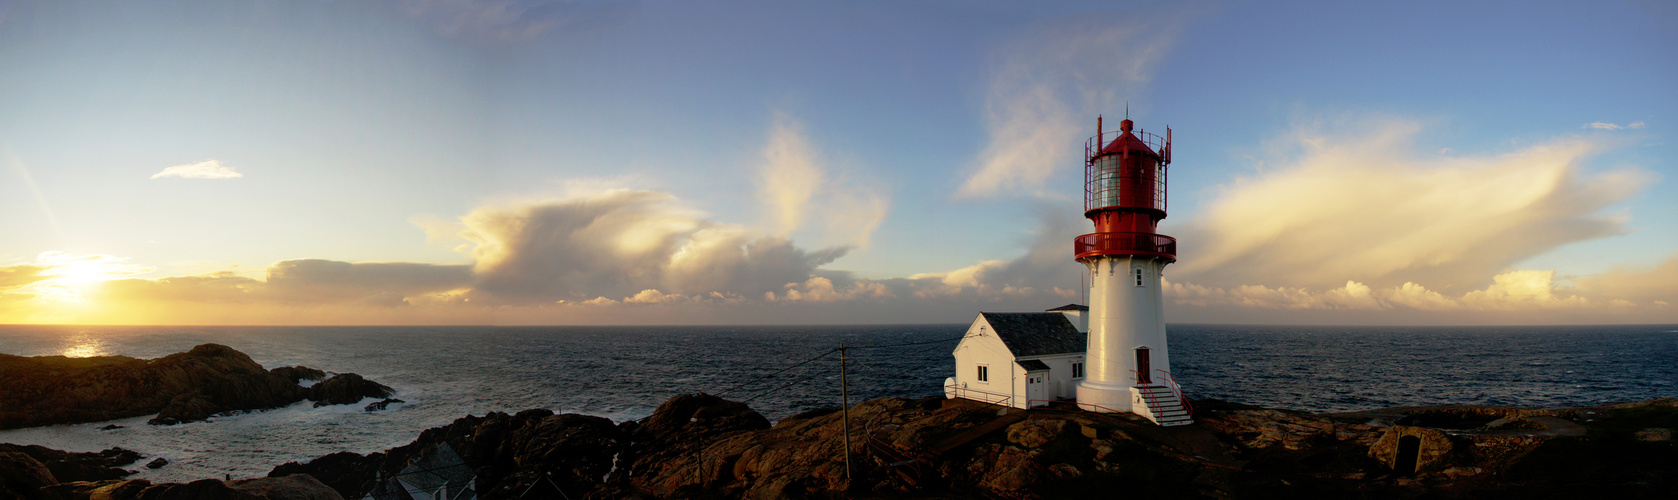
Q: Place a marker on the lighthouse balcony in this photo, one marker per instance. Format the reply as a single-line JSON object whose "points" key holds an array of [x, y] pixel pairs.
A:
{"points": [[1158, 245]]}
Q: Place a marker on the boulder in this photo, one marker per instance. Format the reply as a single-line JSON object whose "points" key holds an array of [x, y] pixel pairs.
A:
{"points": [[292, 487], [21, 475], [381, 404], [349, 474], [297, 374], [72, 467], [157, 464], [345, 389]]}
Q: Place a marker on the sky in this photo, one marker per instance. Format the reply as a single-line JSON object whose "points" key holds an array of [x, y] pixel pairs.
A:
{"points": [[740, 162]]}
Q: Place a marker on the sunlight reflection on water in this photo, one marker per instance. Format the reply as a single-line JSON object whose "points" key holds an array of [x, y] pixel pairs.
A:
{"points": [[81, 345]]}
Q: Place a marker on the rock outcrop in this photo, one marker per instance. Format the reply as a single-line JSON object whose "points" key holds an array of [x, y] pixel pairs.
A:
{"points": [[71, 466], [346, 389], [208, 380], [702, 446]]}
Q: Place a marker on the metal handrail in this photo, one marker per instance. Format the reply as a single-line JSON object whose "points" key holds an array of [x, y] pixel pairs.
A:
{"points": [[1153, 402], [1007, 400], [1177, 390]]}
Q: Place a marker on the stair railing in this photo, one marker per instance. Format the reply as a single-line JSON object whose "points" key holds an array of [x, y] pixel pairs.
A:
{"points": [[1177, 390]]}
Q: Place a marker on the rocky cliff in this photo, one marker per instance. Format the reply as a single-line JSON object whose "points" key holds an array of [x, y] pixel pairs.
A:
{"points": [[181, 387]]}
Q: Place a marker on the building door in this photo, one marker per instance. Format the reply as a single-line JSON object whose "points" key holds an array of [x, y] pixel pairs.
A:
{"points": [[1035, 392], [1142, 366]]}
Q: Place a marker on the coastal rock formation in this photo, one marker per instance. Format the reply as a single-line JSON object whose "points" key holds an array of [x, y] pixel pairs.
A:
{"points": [[702, 446], [300, 487], [208, 380], [298, 374], [70, 466], [346, 389]]}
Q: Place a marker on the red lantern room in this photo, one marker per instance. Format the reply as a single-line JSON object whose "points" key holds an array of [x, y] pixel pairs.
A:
{"points": [[1124, 193]]}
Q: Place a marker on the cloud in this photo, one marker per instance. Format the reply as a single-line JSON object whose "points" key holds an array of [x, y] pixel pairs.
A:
{"points": [[618, 243], [207, 169], [1046, 87], [1370, 207], [1637, 284], [1611, 126], [789, 177], [794, 183], [20, 275], [1516, 290]]}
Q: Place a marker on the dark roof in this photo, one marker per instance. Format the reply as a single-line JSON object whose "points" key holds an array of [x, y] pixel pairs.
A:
{"points": [[1036, 334], [1032, 365], [1128, 141], [1071, 307]]}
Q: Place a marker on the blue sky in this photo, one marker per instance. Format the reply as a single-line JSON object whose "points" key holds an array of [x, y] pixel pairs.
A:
{"points": [[458, 161]]}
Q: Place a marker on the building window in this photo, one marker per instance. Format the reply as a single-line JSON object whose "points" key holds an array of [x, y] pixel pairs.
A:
{"points": [[984, 373], [1078, 370], [1138, 277]]}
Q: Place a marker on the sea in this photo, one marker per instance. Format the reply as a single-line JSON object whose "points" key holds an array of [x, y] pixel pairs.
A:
{"points": [[623, 373]]}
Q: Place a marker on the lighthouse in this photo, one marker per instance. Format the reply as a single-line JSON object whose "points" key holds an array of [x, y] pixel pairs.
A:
{"points": [[1128, 363]]}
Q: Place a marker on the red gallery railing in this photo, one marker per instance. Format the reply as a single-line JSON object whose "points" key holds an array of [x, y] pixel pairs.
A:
{"points": [[1094, 244]]}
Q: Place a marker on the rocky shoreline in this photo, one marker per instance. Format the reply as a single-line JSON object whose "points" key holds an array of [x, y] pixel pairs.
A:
{"points": [[209, 380], [702, 446]]}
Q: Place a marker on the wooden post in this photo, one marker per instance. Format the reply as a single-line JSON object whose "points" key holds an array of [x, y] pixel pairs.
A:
{"points": [[845, 403]]}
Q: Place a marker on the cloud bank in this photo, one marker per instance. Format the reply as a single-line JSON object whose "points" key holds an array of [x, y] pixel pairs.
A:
{"points": [[207, 169]]}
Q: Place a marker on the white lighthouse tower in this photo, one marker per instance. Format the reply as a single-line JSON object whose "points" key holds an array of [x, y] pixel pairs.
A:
{"points": [[1129, 366]]}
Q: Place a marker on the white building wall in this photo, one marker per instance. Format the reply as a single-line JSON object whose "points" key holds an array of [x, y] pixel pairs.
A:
{"points": [[982, 347], [1123, 317], [1061, 383]]}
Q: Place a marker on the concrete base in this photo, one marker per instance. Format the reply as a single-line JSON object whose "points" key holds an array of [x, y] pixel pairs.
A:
{"points": [[1102, 398]]}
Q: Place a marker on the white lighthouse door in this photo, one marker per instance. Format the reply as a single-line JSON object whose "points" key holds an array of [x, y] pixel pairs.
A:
{"points": [[1036, 390]]}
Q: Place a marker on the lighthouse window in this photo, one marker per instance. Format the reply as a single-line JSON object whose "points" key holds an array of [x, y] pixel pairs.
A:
{"points": [[984, 373], [1138, 277]]}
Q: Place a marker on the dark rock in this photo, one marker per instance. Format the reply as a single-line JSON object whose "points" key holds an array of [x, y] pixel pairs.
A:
{"points": [[209, 379], [21, 475], [115, 489], [380, 405], [203, 489], [349, 474], [110, 427], [346, 388], [71, 467], [293, 487], [298, 373], [156, 464]]}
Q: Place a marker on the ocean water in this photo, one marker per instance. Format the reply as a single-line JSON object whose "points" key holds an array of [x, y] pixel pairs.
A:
{"points": [[622, 373]]}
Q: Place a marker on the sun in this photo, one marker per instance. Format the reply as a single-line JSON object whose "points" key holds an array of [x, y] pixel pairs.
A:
{"points": [[70, 275]]}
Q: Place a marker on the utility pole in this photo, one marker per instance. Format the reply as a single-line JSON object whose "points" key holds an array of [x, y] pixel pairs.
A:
{"points": [[845, 403]]}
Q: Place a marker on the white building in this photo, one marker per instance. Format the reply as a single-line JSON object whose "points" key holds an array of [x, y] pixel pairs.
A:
{"points": [[1021, 359]]}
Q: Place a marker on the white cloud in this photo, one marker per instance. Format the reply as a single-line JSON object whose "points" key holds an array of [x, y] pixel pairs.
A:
{"points": [[1612, 126], [1047, 87], [794, 183], [1516, 290], [621, 243], [207, 169], [1371, 207], [789, 176]]}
